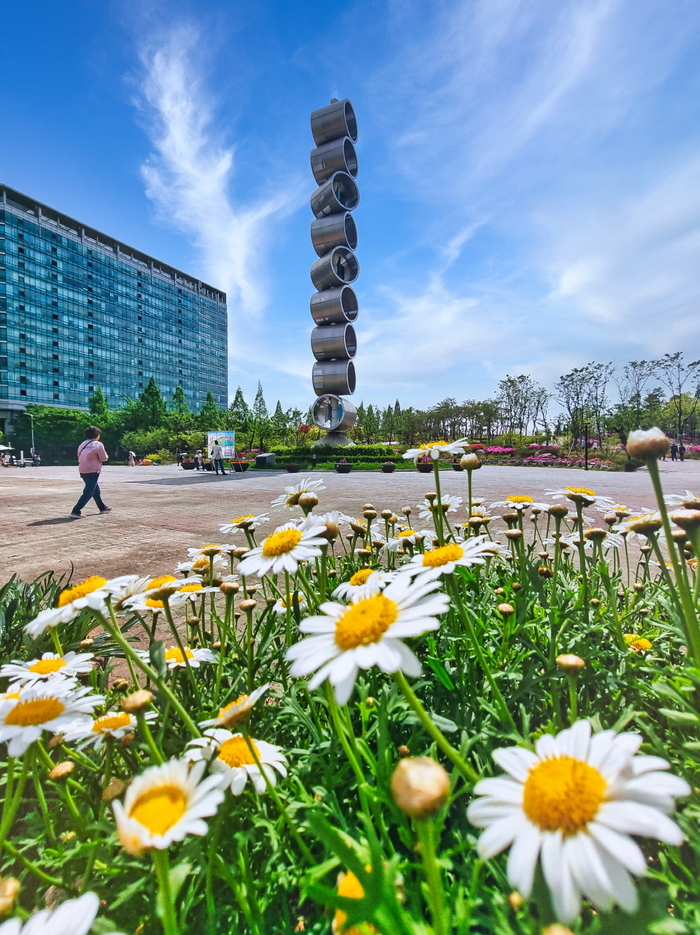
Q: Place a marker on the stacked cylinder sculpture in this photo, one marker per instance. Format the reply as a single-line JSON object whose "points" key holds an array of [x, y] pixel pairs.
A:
{"points": [[334, 238]]}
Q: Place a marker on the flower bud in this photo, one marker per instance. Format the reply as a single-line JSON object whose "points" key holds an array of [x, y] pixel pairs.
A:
{"points": [[558, 510], [596, 534], [368, 506], [406, 510], [370, 514], [9, 890], [420, 786], [505, 609], [370, 701], [137, 701], [689, 520], [120, 685], [55, 741], [515, 900], [239, 552], [61, 770], [113, 790], [331, 532], [86, 644], [651, 443], [248, 605], [568, 662], [127, 740], [516, 586], [544, 571], [470, 462], [557, 930], [386, 514], [403, 750], [513, 534], [307, 501], [229, 587]]}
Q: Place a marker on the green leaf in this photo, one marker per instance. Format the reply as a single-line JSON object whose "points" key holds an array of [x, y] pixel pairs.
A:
{"points": [[681, 717], [441, 673], [156, 654]]}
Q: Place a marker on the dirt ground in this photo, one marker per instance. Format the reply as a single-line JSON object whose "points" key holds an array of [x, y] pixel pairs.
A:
{"points": [[158, 512]]}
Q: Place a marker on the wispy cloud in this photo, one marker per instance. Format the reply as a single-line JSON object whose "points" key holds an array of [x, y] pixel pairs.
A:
{"points": [[190, 176]]}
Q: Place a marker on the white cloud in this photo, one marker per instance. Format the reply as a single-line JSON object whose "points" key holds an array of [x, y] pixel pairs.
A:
{"points": [[190, 176]]}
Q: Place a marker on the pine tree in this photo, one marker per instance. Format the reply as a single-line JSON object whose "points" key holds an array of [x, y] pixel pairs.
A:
{"points": [[179, 402], [152, 409], [240, 410], [98, 405], [259, 406], [209, 414]]}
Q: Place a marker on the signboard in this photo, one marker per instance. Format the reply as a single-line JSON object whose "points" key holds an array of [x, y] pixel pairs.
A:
{"points": [[227, 440]]}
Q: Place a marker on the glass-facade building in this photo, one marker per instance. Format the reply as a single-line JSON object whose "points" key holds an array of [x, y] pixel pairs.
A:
{"points": [[79, 309]]}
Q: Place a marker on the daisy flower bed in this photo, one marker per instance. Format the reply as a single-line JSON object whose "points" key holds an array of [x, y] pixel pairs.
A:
{"points": [[461, 718]]}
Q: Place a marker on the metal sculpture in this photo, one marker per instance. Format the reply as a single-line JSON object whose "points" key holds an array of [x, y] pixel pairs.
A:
{"points": [[334, 237]]}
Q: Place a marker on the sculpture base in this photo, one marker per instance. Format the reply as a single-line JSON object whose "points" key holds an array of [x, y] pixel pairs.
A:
{"points": [[334, 438]]}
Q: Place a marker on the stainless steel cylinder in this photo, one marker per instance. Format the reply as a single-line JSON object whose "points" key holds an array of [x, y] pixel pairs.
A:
{"points": [[334, 306], [336, 156], [335, 230], [334, 376], [334, 120], [340, 193], [334, 414], [334, 342], [337, 268]]}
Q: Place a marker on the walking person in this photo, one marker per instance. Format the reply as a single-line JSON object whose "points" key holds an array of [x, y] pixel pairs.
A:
{"points": [[198, 459], [674, 451], [91, 457], [681, 451], [217, 456], [132, 459]]}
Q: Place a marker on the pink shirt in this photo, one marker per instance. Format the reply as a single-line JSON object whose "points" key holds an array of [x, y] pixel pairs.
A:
{"points": [[91, 454]]}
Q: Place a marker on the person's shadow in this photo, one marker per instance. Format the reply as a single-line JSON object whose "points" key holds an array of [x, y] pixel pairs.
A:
{"points": [[54, 522]]}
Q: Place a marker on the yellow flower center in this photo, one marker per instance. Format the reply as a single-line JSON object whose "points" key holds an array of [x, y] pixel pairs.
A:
{"points": [[47, 666], [563, 794], [68, 595], [639, 645], [631, 637], [151, 602], [232, 704], [110, 722], [159, 582], [433, 444], [235, 752], [360, 577], [435, 558], [160, 808], [191, 587], [351, 888], [405, 533], [365, 622], [174, 654], [582, 490], [519, 498], [291, 600], [200, 564], [242, 519], [279, 543], [211, 549], [34, 712]]}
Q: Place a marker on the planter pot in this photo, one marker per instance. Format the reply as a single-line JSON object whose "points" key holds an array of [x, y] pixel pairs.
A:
{"points": [[187, 465], [343, 468], [239, 466], [146, 461], [424, 467], [388, 467], [456, 466], [292, 468]]}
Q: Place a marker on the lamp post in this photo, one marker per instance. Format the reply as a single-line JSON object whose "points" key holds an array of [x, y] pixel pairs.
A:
{"points": [[586, 426], [31, 419]]}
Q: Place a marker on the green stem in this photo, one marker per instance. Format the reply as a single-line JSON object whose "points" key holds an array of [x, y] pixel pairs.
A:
{"points": [[438, 515], [10, 811], [437, 735], [32, 867], [425, 830], [56, 641], [161, 863], [148, 737]]}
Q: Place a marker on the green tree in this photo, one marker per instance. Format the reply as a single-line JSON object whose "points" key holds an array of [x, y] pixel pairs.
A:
{"points": [[98, 405], [259, 406], [179, 404], [209, 414], [151, 406]]}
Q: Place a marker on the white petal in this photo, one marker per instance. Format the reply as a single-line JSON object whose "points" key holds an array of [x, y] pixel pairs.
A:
{"points": [[515, 760], [502, 789], [497, 838], [575, 741], [566, 899], [482, 812], [620, 846], [410, 664], [637, 818], [522, 859], [343, 690], [623, 887], [546, 747], [588, 871]]}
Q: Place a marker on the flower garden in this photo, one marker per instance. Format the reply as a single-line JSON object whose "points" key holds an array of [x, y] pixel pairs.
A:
{"points": [[468, 717]]}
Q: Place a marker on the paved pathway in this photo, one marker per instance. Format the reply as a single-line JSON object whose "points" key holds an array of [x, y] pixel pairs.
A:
{"points": [[161, 511]]}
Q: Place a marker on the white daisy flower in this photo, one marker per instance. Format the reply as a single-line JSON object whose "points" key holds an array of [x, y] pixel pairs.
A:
{"points": [[448, 503], [677, 499], [518, 502], [230, 757], [50, 664], [435, 450], [53, 707], [296, 599], [164, 804], [201, 565], [113, 724], [191, 591], [285, 548], [335, 516], [444, 559], [248, 521], [365, 581], [580, 495], [165, 586], [367, 632], [92, 593], [72, 917], [174, 658], [640, 526], [575, 803], [236, 711], [290, 498]]}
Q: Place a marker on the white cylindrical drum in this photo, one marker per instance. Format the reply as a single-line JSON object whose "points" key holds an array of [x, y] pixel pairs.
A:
{"points": [[339, 194], [334, 414], [334, 376], [334, 120], [334, 306], [334, 230], [337, 268], [334, 342]]}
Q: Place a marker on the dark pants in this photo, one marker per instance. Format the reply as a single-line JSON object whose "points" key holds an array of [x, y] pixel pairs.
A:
{"points": [[91, 491], [219, 463]]}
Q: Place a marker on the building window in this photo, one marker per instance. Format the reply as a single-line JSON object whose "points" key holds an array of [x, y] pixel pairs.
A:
{"points": [[21, 250], [54, 249], [22, 392], [54, 262], [54, 318], [54, 357], [21, 264], [22, 336], [54, 343], [22, 379], [55, 395], [55, 382]]}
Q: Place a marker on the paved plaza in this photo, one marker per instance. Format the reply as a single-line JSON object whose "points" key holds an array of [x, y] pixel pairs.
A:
{"points": [[158, 512]]}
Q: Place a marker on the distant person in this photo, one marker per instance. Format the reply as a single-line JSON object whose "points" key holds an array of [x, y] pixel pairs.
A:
{"points": [[681, 451], [131, 460], [91, 457], [674, 451], [198, 457], [217, 456]]}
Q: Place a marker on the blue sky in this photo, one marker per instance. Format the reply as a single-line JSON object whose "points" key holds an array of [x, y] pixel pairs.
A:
{"points": [[529, 171]]}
